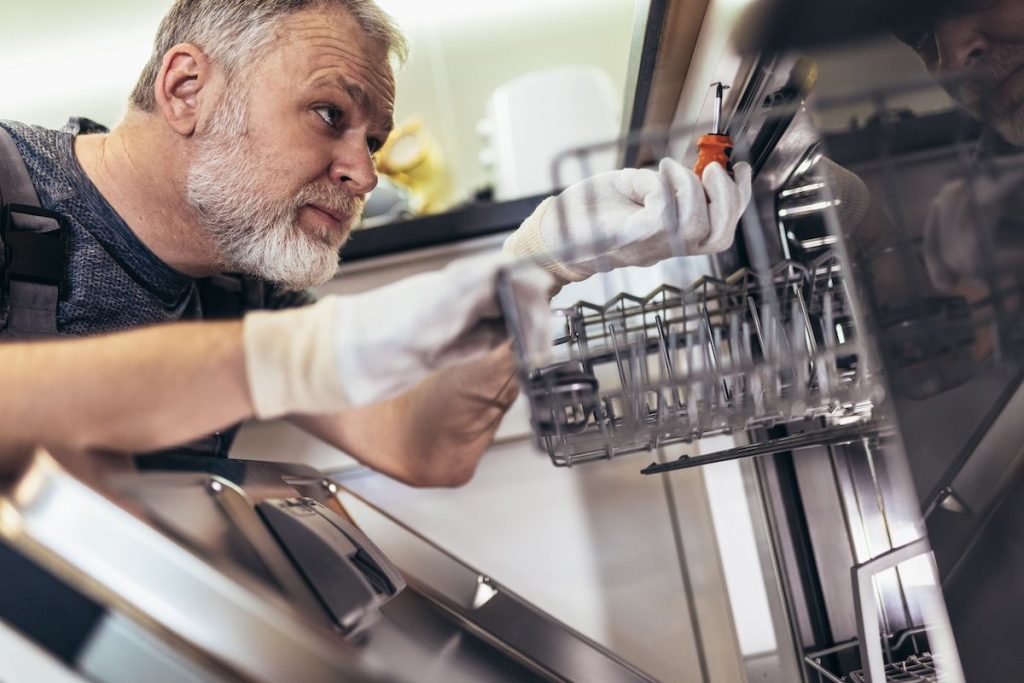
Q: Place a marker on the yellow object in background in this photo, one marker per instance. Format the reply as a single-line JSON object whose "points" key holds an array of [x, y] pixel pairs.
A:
{"points": [[412, 159]]}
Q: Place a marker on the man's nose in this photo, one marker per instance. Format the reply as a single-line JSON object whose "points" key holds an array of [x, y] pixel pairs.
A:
{"points": [[959, 45], [352, 165]]}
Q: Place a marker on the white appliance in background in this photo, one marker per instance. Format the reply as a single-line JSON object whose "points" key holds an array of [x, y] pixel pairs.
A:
{"points": [[537, 116]]}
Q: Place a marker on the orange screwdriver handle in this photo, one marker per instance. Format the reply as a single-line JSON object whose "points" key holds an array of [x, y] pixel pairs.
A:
{"points": [[711, 148]]}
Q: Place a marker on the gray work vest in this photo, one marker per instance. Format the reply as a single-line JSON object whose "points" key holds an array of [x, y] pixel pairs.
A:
{"points": [[33, 255]]}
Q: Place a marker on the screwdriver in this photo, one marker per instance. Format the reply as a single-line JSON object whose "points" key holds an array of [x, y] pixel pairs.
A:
{"points": [[715, 146]]}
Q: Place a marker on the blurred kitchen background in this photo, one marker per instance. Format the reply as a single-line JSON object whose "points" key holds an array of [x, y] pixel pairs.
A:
{"points": [[62, 58]]}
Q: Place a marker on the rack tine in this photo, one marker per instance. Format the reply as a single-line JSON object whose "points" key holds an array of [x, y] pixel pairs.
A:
{"points": [[638, 368], [695, 387], [805, 318], [584, 345], [613, 333], [757, 327], [735, 355], [663, 343], [798, 340], [673, 350], [754, 387], [712, 351], [828, 321]]}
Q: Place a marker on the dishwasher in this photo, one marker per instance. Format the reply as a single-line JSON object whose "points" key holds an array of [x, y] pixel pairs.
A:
{"points": [[877, 403]]}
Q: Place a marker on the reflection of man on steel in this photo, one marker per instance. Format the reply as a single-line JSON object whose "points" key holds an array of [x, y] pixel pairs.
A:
{"points": [[976, 50], [985, 37]]}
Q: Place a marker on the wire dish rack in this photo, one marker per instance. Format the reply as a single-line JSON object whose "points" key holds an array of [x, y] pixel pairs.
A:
{"points": [[914, 665], [775, 342], [914, 669], [719, 356]]}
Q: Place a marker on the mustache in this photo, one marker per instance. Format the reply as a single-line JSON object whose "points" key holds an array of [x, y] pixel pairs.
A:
{"points": [[332, 199]]}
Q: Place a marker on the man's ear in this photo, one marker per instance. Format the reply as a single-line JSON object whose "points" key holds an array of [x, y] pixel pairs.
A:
{"points": [[183, 74]]}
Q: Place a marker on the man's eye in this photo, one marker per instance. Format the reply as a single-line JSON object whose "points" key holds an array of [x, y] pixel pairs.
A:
{"points": [[374, 144], [330, 115]]}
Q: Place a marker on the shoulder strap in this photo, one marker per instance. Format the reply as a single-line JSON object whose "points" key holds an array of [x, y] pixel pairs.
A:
{"points": [[230, 295], [32, 240], [15, 184]]}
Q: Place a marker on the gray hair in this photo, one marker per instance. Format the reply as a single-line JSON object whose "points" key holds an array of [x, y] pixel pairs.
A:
{"points": [[234, 33]]}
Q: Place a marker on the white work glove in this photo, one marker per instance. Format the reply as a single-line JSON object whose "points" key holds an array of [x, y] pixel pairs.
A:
{"points": [[964, 215], [633, 217], [347, 351]]}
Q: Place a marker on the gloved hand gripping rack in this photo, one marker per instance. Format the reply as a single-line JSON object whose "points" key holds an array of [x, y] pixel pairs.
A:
{"points": [[774, 343]]}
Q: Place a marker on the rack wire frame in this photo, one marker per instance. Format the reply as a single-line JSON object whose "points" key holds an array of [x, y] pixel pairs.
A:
{"points": [[763, 346], [708, 359], [918, 666], [641, 371]]}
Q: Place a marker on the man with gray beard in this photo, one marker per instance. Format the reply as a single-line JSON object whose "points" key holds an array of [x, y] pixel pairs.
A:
{"points": [[248, 148], [251, 231]]}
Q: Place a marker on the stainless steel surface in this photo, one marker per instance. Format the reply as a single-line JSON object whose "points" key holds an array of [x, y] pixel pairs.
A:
{"points": [[450, 624], [488, 609], [119, 649], [953, 355], [203, 608], [217, 618], [25, 661]]}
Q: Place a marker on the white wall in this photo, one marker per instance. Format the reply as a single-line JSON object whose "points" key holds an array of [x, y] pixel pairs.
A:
{"points": [[59, 58], [458, 61]]}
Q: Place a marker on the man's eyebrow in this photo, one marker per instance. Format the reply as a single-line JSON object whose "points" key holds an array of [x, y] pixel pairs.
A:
{"points": [[359, 96]]}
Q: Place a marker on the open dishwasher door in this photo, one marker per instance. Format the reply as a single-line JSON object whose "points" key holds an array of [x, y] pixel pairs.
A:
{"points": [[791, 356], [219, 570]]}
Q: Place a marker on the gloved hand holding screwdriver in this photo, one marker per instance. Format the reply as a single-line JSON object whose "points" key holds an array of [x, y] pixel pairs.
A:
{"points": [[638, 217], [646, 215]]}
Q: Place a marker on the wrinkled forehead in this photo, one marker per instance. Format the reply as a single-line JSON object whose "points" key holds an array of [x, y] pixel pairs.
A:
{"points": [[329, 44]]}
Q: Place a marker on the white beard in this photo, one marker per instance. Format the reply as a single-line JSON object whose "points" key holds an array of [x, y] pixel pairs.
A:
{"points": [[251, 231]]}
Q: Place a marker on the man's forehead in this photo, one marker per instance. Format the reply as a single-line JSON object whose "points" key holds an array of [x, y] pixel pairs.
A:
{"points": [[331, 50]]}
